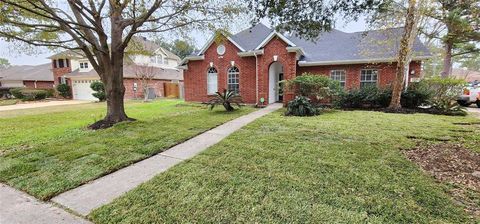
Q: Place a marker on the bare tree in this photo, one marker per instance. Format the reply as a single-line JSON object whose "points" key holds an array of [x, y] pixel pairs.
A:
{"points": [[102, 30], [144, 74]]}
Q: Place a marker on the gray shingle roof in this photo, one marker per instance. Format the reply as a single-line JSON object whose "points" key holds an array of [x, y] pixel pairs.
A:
{"points": [[250, 38], [129, 72], [340, 46], [337, 45], [27, 72]]}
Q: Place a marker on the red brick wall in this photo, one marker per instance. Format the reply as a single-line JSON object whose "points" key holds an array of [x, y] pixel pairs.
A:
{"points": [[386, 72], [130, 94], [288, 60], [195, 77], [57, 72], [40, 84]]}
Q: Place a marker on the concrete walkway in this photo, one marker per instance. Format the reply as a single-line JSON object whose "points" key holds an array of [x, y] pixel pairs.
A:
{"points": [[105, 189], [42, 104], [17, 207]]}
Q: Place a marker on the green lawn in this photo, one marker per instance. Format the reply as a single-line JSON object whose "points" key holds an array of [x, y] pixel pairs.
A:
{"points": [[47, 151], [8, 102], [340, 167]]}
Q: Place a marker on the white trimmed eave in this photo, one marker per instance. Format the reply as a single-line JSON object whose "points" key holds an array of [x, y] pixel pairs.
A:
{"points": [[210, 41], [184, 62], [250, 53], [270, 37], [299, 50], [360, 61]]}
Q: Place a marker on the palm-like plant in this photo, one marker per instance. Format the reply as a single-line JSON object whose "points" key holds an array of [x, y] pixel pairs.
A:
{"points": [[226, 98]]}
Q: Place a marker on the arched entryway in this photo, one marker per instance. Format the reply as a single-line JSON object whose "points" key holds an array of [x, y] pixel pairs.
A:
{"points": [[275, 75]]}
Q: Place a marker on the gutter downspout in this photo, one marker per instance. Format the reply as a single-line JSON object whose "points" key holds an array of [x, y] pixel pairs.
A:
{"points": [[256, 78]]}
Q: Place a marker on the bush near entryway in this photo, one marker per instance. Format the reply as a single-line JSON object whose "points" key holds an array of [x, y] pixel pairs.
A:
{"points": [[99, 89], [302, 107], [315, 86], [29, 94], [63, 90]]}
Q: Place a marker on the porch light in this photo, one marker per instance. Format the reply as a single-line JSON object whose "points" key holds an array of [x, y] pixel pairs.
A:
{"points": [[275, 57], [211, 64], [232, 63]]}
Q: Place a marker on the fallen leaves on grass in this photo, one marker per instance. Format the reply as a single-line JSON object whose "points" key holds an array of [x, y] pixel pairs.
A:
{"points": [[452, 163]]}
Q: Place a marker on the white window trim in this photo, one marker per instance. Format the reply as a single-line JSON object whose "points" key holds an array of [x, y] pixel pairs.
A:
{"points": [[344, 74], [228, 78], [369, 81], [212, 92]]}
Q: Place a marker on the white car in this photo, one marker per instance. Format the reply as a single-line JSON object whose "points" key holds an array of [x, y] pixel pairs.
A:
{"points": [[470, 96]]}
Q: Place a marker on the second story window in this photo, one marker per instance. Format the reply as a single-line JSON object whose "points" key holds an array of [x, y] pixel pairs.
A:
{"points": [[83, 65], [61, 63]]}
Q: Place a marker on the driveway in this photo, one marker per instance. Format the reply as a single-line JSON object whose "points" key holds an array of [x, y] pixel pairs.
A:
{"points": [[42, 104], [475, 111]]}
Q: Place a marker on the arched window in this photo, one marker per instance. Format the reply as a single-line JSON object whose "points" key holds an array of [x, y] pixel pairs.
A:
{"points": [[233, 82], [212, 81]]}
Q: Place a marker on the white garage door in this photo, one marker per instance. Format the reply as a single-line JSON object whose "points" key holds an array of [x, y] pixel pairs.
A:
{"points": [[81, 90]]}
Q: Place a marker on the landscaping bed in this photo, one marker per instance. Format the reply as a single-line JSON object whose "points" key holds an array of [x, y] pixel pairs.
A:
{"points": [[339, 167], [453, 164], [47, 151]]}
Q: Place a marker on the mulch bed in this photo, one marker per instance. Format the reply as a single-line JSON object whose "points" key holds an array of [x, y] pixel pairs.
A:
{"points": [[452, 163]]}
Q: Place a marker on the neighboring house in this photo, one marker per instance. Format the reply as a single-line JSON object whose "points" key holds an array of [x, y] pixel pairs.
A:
{"points": [[467, 75], [253, 61], [31, 76], [73, 69]]}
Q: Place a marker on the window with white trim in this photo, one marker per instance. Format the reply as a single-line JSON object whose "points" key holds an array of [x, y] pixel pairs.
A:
{"points": [[83, 65], [338, 75], [233, 82], [368, 77], [212, 81]]}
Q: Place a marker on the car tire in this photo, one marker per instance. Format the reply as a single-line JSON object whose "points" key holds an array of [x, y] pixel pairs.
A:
{"points": [[478, 103], [465, 103]]}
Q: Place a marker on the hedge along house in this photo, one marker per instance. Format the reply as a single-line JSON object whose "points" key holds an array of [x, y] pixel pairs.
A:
{"points": [[73, 68], [253, 62]]}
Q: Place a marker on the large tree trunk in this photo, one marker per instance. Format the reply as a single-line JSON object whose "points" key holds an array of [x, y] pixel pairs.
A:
{"points": [[447, 60], [112, 77], [404, 56]]}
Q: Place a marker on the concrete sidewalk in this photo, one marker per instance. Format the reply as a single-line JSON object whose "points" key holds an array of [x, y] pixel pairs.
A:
{"points": [[17, 207], [105, 189], [21, 106], [475, 111]]}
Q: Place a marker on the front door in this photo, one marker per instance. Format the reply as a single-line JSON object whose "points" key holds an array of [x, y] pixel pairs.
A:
{"points": [[275, 75]]}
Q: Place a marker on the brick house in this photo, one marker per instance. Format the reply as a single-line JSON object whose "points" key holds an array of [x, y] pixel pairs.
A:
{"points": [[72, 68], [253, 61], [29, 76]]}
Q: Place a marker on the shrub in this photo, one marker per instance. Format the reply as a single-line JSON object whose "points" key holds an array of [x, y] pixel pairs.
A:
{"points": [[17, 93], [63, 90], [50, 92], [367, 97], [301, 106], [33, 94], [29, 94], [99, 89], [312, 85], [445, 92], [227, 98], [417, 94]]}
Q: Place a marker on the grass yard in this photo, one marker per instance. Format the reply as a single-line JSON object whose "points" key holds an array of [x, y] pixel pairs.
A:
{"points": [[340, 167], [47, 151], [7, 102]]}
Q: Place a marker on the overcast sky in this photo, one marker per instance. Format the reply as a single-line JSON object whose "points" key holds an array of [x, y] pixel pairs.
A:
{"points": [[15, 56]]}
